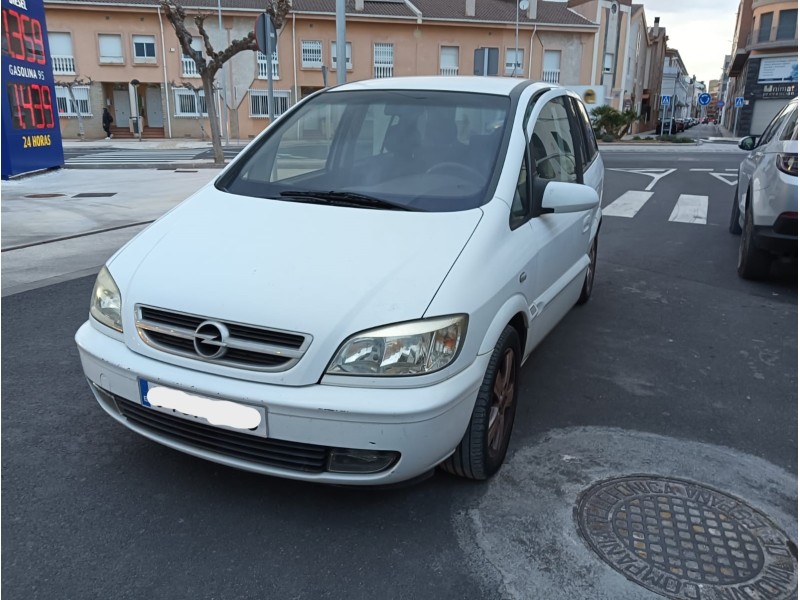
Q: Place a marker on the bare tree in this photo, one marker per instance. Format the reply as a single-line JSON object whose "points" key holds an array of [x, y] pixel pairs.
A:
{"points": [[210, 61], [70, 85]]}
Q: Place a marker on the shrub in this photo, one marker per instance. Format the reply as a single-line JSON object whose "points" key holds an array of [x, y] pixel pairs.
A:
{"points": [[636, 137], [607, 137], [609, 121]]}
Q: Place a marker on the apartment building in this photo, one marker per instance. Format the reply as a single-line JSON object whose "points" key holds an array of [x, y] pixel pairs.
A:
{"points": [[763, 65], [676, 83], [627, 56], [124, 55]]}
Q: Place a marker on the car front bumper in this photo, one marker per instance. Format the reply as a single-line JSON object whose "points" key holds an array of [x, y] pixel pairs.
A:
{"points": [[423, 425]]}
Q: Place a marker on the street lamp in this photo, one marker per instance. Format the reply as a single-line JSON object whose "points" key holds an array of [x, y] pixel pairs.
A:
{"points": [[522, 4], [135, 84]]}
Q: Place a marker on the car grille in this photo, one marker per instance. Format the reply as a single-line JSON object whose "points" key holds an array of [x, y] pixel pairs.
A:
{"points": [[243, 346], [296, 456]]}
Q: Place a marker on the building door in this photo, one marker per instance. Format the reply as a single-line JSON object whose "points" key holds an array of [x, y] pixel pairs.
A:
{"points": [[122, 108], [153, 110]]}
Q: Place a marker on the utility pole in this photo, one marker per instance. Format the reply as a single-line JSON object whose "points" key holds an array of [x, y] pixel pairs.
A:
{"points": [[341, 43]]}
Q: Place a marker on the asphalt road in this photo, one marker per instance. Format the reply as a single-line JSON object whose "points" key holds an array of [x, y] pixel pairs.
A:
{"points": [[676, 367]]}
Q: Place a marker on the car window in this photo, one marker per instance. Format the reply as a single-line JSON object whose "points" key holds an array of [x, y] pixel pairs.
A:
{"points": [[551, 143], [790, 131], [588, 132], [521, 203], [426, 150], [773, 127]]}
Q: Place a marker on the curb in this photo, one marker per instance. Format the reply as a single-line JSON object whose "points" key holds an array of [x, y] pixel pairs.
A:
{"points": [[155, 166]]}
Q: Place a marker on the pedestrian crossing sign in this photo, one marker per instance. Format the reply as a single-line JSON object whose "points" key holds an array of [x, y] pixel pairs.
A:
{"points": [[739, 102], [665, 100]]}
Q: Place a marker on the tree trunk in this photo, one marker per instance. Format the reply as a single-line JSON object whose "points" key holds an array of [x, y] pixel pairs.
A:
{"points": [[213, 119]]}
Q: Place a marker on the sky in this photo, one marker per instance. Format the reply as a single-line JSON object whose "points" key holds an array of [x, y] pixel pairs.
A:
{"points": [[701, 30]]}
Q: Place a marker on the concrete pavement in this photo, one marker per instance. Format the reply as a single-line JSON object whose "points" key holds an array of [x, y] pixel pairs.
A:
{"points": [[80, 218]]}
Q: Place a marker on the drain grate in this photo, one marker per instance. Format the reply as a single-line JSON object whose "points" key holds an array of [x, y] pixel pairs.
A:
{"points": [[684, 540], [44, 195], [95, 195]]}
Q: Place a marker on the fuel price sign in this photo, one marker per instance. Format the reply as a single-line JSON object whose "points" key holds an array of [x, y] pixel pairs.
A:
{"points": [[31, 137]]}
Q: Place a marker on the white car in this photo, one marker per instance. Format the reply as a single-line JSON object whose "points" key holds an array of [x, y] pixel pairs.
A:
{"points": [[350, 301], [764, 208]]}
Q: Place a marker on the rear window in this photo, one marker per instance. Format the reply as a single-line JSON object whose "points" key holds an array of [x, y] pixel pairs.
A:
{"points": [[425, 150]]}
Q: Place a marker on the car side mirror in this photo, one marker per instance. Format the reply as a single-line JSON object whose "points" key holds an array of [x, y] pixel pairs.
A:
{"points": [[747, 143], [560, 197]]}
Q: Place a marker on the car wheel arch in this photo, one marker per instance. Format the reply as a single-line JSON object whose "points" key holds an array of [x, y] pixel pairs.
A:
{"points": [[514, 312]]}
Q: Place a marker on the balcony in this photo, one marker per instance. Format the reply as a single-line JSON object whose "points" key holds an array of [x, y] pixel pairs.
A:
{"points": [[551, 76], [189, 67], [263, 68], [448, 71], [774, 38], [63, 65]]}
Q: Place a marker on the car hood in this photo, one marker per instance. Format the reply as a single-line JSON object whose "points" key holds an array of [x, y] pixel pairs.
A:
{"points": [[325, 271]]}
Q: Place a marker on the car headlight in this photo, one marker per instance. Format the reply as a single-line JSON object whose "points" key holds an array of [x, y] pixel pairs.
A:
{"points": [[106, 301], [412, 348]]}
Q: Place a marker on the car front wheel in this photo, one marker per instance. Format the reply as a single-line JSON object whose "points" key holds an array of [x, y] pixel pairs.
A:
{"points": [[754, 263], [483, 447]]}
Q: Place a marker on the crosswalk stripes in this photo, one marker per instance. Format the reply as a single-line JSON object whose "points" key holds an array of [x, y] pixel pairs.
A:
{"points": [[138, 156], [628, 204], [690, 209]]}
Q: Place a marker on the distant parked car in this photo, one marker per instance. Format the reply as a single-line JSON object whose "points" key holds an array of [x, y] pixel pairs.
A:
{"points": [[670, 127], [764, 208], [705, 120], [680, 125]]}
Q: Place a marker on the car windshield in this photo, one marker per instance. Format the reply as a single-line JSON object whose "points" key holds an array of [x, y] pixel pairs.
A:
{"points": [[419, 150]]}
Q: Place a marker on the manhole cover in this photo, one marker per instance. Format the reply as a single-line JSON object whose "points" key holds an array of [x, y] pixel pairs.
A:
{"points": [[684, 540], [44, 195]]}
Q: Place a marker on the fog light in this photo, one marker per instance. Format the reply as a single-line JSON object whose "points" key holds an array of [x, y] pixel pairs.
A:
{"points": [[346, 460]]}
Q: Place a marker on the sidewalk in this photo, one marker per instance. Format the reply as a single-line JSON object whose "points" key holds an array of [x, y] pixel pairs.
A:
{"points": [[64, 224]]}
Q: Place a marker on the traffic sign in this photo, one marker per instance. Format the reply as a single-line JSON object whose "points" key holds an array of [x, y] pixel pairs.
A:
{"points": [[739, 102], [721, 103], [665, 100], [704, 99]]}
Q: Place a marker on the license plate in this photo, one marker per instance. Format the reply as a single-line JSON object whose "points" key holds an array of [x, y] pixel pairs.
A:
{"points": [[224, 414]]}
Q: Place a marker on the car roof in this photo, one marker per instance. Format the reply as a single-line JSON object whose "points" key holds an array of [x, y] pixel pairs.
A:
{"points": [[498, 86]]}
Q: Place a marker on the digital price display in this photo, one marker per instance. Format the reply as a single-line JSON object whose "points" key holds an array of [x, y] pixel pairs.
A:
{"points": [[31, 136]]}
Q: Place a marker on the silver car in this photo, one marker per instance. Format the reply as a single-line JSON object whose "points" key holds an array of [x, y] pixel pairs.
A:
{"points": [[764, 208]]}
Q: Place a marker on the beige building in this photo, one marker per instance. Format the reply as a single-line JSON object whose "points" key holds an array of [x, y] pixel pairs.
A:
{"points": [[627, 57], [763, 66], [100, 48]]}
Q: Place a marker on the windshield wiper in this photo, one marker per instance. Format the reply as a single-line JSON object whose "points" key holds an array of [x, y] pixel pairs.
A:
{"points": [[351, 199]]}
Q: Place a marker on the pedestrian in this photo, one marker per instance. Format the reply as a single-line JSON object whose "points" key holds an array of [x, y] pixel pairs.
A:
{"points": [[107, 121]]}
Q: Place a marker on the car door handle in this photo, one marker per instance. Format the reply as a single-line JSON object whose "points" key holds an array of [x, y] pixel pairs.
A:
{"points": [[522, 277]]}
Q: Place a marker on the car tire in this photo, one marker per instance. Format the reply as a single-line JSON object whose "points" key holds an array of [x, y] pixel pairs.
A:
{"points": [[483, 448], [734, 226], [588, 282], [754, 263]]}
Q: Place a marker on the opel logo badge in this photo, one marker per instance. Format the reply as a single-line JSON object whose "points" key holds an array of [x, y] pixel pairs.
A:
{"points": [[211, 339]]}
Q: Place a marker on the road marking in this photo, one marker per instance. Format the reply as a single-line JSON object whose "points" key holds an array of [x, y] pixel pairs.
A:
{"points": [[690, 209], [722, 176], [627, 205], [701, 169], [737, 170], [656, 174]]}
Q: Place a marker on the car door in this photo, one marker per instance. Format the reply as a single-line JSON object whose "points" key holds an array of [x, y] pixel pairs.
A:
{"points": [[563, 238]]}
